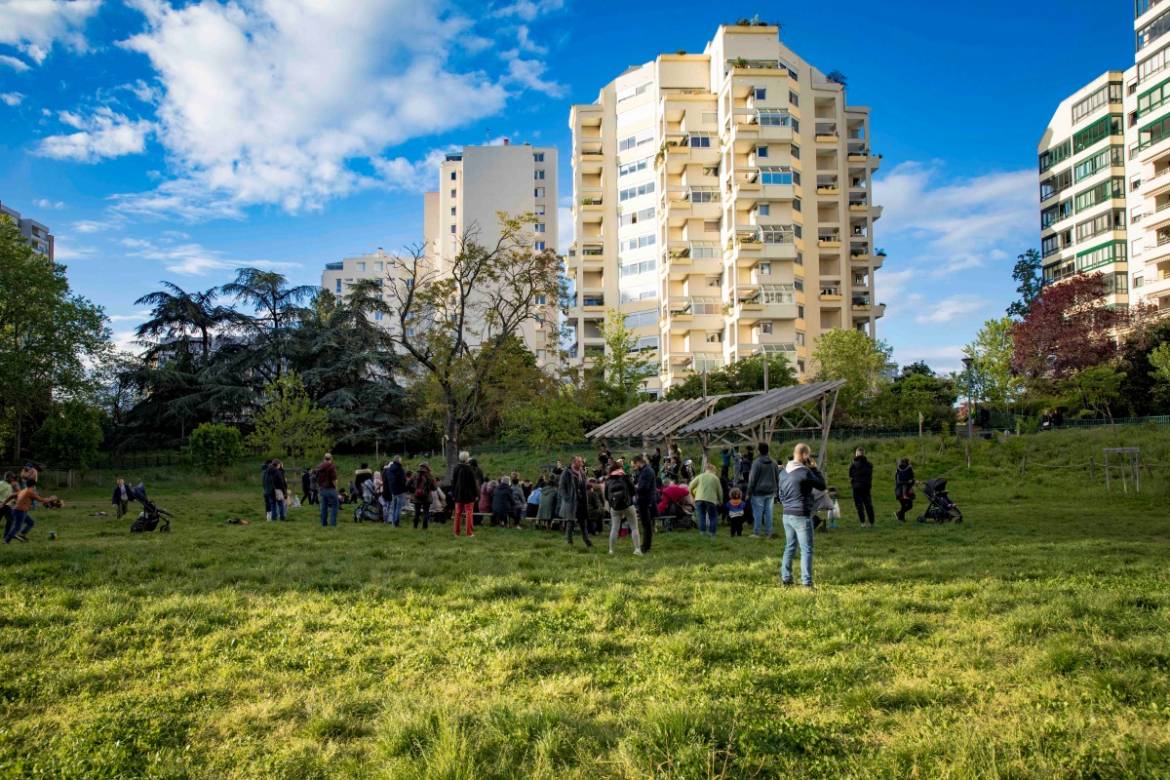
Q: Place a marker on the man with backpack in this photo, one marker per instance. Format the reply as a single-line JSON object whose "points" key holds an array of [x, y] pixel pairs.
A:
{"points": [[761, 490], [394, 490], [619, 494]]}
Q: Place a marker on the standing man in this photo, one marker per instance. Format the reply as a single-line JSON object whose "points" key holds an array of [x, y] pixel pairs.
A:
{"points": [[574, 501], [708, 494], [761, 490], [394, 490], [327, 487], [464, 492], [646, 483], [861, 481], [619, 494], [797, 483]]}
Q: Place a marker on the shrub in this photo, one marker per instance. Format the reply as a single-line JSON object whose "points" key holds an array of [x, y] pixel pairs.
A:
{"points": [[214, 447]]}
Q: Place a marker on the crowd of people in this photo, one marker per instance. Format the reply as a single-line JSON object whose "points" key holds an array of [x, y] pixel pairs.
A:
{"points": [[636, 495]]}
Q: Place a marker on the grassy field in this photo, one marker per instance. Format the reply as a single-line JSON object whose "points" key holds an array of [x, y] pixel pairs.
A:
{"points": [[1031, 641]]}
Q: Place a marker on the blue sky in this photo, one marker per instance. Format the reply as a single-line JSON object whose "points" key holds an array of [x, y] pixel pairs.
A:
{"points": [[179, 140]]}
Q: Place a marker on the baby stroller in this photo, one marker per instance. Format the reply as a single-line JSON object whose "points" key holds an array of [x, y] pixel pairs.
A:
{"points": [[940, 509], [369, 508], [151, 517]]}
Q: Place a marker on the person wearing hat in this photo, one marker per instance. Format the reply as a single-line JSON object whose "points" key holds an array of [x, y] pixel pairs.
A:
{"points": [[327, 485]]}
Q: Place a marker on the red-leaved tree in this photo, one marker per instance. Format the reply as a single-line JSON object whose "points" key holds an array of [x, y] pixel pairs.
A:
{"points": [[1068, 327]]}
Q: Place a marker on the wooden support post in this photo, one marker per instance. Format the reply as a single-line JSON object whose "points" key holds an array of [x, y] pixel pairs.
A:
{"points": [[765, 372]]}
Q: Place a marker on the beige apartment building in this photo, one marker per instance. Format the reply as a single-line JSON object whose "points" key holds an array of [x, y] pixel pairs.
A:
{"points": [[723, 203], [1083, 216], [35, 233], [474, 186]]}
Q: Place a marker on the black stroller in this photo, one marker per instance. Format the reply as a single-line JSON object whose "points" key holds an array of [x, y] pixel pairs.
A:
{"points": [[940, 509], [369, 508], [152, 517]]}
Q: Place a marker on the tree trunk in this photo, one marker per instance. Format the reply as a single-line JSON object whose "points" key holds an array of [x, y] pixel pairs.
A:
{"points": [[451, 442], [19, 429]]}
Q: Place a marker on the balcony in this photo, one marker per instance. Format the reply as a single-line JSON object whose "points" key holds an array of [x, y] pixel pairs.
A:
{"points": [[701, 362], [831, 294], [592, 302], [829, 240], [696, 313]]}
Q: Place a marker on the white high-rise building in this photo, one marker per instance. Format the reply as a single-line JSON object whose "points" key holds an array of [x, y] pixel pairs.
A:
{"points": [[723, 204], [36, 233]]}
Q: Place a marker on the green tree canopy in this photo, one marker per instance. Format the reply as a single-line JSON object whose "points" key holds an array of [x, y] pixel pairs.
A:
{"points": [[858, 359], [215, 446], [289, 424], [622, 370], [992, 378], [742, 376], [70, 436]]}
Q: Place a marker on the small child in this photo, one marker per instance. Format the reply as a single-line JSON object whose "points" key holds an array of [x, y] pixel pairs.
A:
{"points": [[121, 498], [22, 521], [735, 511]]}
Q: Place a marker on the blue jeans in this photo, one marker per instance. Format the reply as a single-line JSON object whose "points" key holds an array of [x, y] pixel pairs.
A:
{"points": [[708, 516], [278, 509], [797, 530], [396, 505], [329, 506], [762, 514], [22, 523], [269, 503]]}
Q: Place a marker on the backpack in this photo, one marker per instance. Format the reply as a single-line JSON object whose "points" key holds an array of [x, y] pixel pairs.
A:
{"points": [[420, 487], [618, 493]]}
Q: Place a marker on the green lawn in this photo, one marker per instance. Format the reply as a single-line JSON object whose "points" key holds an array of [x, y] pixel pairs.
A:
{"points": [[1031, 641]]}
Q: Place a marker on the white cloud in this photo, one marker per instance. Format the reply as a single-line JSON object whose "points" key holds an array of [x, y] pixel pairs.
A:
{"points": [[413, 175], [190, 258], [529, 74], [952, 308], [525, 42], [11, 98], [103, 134], [65, 251], [126, 341], [529, 10], [34, 26], [45, 203], [273, 103], [138, 316], [20, 66], [92, 225], [958, 225]]}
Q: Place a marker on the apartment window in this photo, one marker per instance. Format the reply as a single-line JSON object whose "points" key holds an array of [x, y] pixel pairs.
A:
{"points": [[452, 211], [361, 266], [538, 192], [714, 338], [634, 269], [638, 242], [1054, 185], [1138, 281], [1154, 132], [377, 316], [1114, 155], [795, 152], [764, 209], [634, 217], [776, 236], [776, 175], [704, 251], [539, 246], [699, 141], [538, 227], [633, 192], [540, 210], [646, 344], [761, 93], [1049, 216], [452, 228], [776, 294], [452, 175], [761, 151], [1109, 93], [538, 174], [1049, 245], [633, 167], [775, 117], [1056, 155], [800, 341], [538, 156], [452, 193], [793, 98], [1152, 31], [711, 225], [1105, 254], [703, 195], [1153, 64], [337, 286], [627, 143], [641, 319], [764, 269], [1102, 223], [766, 328], [799, 309], [1114, 188], [1096, 132]]}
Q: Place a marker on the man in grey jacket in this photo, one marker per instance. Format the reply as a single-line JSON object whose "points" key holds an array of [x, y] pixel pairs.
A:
{"points": [[761, 490], [797, 483]]}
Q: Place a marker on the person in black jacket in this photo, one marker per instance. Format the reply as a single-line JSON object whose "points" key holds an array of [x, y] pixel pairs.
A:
{"points": [[121, 498], [394, 492], [904, 488], [861, 481], [465, 492], [797, 482], [645, 486]]}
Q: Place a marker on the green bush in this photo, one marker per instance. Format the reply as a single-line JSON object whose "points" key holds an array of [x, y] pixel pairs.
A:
{"points": [[214, 447], [70, 436]]}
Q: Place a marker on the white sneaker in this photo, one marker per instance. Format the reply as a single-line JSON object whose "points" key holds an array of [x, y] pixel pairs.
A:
{"points": [[267, 515], [637, 551], [611, 551]]}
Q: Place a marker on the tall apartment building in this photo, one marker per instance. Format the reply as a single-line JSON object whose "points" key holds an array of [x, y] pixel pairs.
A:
{"points": [[1083, 217], [474, 186], [338, 276], [34, 232], [722, 202], [1147, 112]]}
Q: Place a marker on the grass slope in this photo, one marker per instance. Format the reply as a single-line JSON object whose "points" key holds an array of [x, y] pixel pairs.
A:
{"points": [[1028, 642]]}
